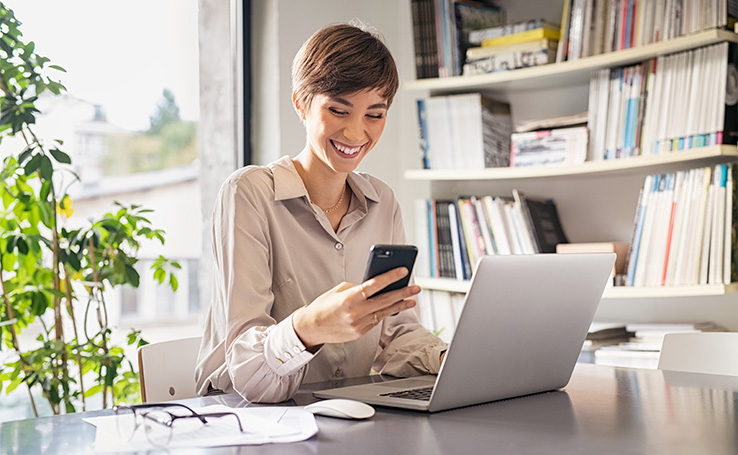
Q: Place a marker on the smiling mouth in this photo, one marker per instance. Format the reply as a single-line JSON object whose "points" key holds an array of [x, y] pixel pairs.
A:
{"points": [[346, 150]]}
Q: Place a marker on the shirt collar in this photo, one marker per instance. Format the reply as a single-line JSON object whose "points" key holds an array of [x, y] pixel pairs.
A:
{"points": [[289, 185]]}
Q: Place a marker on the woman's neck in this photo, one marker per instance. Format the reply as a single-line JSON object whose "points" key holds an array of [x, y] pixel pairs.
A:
{"points": [[325, 186]]}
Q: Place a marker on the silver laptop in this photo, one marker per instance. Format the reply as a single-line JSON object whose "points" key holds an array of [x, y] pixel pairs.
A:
{"points": [[520, 332]]}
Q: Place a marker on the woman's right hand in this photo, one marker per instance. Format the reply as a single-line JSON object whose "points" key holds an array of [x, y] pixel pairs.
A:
{"points": [[344, 313]]}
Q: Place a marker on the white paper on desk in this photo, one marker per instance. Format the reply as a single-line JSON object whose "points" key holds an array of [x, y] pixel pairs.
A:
{"points": [[261, 425]]}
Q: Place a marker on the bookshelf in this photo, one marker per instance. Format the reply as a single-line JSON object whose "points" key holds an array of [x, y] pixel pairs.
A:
{"points": [[581, 191], [696, 157], [619, 292], [570, 72]]}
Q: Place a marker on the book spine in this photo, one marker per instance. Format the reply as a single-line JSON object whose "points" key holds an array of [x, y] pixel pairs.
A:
{"points": [[433, 233], [632, 260], [423, 134]]}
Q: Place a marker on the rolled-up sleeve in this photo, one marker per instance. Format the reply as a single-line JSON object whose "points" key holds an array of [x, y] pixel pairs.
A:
{"points": [[267, 364], [265, 361]]}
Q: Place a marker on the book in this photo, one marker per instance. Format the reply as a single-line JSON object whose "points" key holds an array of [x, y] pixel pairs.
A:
{"points": [[579, 119], [621, 355], [423, 132], [441, 31], [471, 16], [730, 266], [461, 267], [554, 147], [543, 220], [668, 104], [591, 27], [523, 37], [474, 53], [619, 248], [479, 36], [511, 61], [564, 32], [445, 242], [608, 331], [657, 329], [424, 38], [683, 228], [524, 226], [466, 131], [433, 239], [635, 243]]}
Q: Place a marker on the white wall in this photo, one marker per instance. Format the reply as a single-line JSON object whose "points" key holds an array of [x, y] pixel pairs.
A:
{"points": [[281, 26]]}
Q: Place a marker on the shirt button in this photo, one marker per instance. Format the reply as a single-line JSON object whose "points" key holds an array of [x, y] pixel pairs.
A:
{"points": [[338, 373], [339, 245]]}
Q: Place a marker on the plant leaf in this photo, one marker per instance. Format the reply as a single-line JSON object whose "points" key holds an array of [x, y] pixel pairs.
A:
{"points": [[60, 156], [33, 164], [133, 276]]}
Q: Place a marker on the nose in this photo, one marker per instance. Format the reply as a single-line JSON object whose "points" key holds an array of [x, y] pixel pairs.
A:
{"points": [[354, 130]]}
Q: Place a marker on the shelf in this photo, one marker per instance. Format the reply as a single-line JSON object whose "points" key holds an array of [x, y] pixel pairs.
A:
{"points": [[568, 73], [589, 167], [620, 292]]}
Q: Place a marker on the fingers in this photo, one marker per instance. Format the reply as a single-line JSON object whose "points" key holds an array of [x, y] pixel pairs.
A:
{"points": [[376, 317], [385, 300], [379, 282], [363, 291]]}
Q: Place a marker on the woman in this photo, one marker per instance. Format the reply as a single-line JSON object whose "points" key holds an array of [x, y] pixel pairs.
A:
{"points": [[291, 240]]}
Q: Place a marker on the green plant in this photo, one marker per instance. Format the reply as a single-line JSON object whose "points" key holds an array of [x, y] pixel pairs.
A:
{"points": [[52, 273]]}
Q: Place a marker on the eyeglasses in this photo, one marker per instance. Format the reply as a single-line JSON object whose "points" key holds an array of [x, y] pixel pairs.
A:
{"points": [[157, 421]]}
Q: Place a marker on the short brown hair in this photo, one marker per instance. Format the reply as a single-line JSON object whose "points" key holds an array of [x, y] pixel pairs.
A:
{"points": [[342, 59]]}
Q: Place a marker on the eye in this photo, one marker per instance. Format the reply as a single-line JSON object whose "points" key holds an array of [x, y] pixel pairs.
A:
{"points": [[375, 116], [336, 111]]}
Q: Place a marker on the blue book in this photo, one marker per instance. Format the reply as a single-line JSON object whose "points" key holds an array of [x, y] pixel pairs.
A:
{"points": [[650, 186]]}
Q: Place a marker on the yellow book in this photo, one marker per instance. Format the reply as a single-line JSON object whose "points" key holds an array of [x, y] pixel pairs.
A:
{"points": [[523, 37]]}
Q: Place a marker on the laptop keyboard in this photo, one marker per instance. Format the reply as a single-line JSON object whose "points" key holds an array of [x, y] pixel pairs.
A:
{"points": [[423, 394]]}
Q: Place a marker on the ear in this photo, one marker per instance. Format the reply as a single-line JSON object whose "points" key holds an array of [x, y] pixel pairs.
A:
{"points": [[298, 108]]}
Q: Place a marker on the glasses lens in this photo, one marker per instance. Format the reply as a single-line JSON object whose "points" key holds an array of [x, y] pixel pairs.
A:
{"points": [[126, 422], [158, 426]]}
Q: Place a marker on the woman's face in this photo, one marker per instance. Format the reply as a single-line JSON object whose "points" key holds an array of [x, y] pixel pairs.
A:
{"points": [[341, 130]]}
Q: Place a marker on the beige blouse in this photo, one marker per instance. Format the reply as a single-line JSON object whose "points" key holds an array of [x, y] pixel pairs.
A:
{"points": [[275, 252]]}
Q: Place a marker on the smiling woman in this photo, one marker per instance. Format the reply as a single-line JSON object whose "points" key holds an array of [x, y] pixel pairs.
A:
{"points": [[291, 239]]}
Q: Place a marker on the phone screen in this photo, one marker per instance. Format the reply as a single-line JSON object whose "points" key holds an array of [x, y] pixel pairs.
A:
{"points": [[383, 258]]}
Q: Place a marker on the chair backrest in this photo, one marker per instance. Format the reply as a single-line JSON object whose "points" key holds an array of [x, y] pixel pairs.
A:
{"points": [[167, 369], [700, 352]]}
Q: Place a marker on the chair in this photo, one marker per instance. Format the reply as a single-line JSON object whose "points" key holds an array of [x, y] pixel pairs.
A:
{"points": [[700, 352], [167, 369]]}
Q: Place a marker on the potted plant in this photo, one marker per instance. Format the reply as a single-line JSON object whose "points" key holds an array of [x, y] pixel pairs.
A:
{"points": [[50, 272]]}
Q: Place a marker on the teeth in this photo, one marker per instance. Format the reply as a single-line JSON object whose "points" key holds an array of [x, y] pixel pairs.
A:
{"points": [[346, 150]]}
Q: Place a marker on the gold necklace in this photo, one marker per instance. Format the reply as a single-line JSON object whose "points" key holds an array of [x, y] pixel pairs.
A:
{"points": [[330, 209]]}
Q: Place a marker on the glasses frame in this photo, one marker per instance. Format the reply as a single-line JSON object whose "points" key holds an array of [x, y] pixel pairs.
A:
{"points": [[139, 414]]}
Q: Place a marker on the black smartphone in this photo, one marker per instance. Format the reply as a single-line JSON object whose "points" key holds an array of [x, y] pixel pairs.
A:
{"points": [[383, 258]]}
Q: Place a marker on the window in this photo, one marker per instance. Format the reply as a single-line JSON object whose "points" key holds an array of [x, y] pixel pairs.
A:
{"points": [[129, 121]]}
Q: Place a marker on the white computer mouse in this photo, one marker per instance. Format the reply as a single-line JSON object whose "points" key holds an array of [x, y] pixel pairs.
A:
{"points": [[344, 409]]}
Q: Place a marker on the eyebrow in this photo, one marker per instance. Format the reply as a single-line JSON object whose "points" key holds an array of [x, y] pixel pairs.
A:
{"points": [[349, 104]]}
